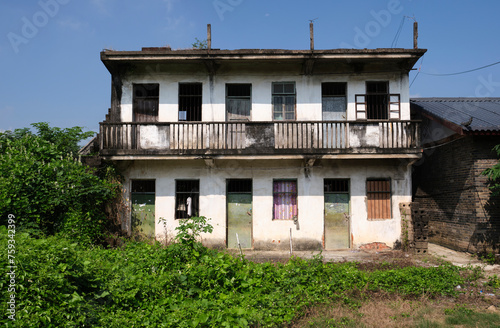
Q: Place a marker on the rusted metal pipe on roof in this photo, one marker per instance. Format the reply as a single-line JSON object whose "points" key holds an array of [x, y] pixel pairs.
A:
{"points": [[209, 36], [311, 32], [415, 35]]}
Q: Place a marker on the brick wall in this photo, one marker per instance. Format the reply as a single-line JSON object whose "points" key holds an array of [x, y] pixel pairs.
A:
{"points": [[447, 181]]}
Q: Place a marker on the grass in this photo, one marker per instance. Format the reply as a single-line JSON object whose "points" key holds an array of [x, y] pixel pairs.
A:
{"points": [[61, 283], [386, 311]]}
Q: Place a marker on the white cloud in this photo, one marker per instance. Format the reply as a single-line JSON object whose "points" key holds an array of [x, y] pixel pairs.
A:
{"points": [[170, 5], [174, 22]]}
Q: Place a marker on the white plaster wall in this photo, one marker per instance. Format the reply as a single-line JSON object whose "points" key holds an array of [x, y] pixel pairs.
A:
{"points": [[213, 97], [266, 232]]}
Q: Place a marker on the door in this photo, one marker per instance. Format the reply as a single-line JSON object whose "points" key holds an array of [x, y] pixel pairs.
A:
{"points": [[239, 213], [337, 220], [143, 208]]}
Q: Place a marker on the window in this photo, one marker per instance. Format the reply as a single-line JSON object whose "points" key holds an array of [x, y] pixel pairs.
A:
{"points": [[284, 101], [187, 196], [285, 199], [334, 104], [190, 101], [377, 100], [145, 102], [239, 185], [238, 102], [143, 186], [378, 192], [336, 186]]}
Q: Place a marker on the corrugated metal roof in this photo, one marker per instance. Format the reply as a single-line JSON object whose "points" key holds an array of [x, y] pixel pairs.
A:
{"points": [[471, 114]]}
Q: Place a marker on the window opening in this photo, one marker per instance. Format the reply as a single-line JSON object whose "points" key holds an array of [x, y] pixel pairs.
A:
{"points": [[146, 102], [190, 101], [187, 194], [285, 199]]}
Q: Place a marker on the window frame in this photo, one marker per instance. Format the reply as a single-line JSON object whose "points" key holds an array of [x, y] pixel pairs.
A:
{"points": [[283, 96], [324, 96], [371, 102], [182, 98], [195, 199], [137, 116], [296, 198], [377, 201], [249, 98]]}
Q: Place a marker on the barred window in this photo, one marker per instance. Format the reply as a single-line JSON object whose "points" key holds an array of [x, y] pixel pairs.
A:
{"points": [[187, 198], [378, 192]]}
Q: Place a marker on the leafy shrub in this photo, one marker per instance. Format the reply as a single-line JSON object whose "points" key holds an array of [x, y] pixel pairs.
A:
{"points": [[47, 188], [189, 230]]}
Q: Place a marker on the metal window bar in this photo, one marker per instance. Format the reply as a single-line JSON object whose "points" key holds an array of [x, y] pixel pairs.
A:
{"points": [[377, 100], [378, 193], [185, 189], [190, 102]]}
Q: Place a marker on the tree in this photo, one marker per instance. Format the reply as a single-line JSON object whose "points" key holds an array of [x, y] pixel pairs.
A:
{"points": [[493, 174], [44, 185]]}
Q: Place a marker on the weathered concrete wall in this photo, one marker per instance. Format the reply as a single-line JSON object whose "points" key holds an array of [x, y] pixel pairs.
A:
{"points": [[213, 96], [448, 183], [274, 234]]}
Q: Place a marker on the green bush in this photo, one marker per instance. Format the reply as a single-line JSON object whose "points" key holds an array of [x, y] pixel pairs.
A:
{"points": [[47, 189]]}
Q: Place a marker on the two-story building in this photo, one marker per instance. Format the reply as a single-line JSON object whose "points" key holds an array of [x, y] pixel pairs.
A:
{"points": [[314, 146]]}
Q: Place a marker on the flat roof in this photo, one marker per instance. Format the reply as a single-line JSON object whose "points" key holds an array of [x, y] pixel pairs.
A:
{"points": [[405, 58]]}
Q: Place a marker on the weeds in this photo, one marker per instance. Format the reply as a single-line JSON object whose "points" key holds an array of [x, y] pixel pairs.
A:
{"points": [[140, 284]]}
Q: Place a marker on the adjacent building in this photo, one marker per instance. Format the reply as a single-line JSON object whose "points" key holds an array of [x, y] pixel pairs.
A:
{"points": [[458, 135]]}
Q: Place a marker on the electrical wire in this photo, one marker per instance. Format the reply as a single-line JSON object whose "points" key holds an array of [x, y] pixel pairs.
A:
{"points": [[463, 72], [419, 70], [398, 33]]}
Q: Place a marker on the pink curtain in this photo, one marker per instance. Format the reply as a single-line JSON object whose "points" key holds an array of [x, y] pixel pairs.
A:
{"points": [[285, 200]]}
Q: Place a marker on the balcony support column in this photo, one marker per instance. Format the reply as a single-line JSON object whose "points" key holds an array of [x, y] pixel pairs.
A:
{"points": [[209, 162]]}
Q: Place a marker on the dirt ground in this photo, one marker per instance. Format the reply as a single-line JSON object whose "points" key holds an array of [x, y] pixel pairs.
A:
{"points": [[435, 254], [357, 255]]}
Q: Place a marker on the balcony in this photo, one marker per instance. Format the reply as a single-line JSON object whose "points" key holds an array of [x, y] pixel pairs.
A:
{"points": [[317, 138]]}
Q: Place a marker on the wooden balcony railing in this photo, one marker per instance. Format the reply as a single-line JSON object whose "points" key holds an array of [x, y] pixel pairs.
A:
{"points": [[304, 137]]}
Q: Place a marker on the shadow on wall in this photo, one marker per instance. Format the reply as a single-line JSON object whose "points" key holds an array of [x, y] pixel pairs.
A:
{"points": [[486, 236]]}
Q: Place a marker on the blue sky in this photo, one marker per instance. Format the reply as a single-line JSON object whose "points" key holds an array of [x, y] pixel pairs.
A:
{"points": [[50, 68]]}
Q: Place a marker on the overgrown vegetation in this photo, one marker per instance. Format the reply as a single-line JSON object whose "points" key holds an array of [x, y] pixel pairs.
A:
{"points": [[493, 173], [143, 285], [49, 191]]}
